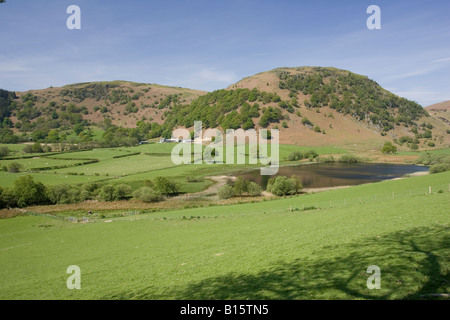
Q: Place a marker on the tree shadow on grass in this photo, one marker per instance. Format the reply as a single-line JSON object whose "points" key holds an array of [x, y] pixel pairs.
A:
{"points": [[414, 264]]}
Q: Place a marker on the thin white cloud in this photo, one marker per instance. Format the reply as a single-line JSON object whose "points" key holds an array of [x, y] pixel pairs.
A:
{"points": [[442, 60], [13, 67], [215, 75], [199, 77], [411, 74], [423, 96]]}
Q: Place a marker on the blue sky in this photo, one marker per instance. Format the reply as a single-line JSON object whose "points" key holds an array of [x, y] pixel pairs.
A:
{"points": [[210, 44]]}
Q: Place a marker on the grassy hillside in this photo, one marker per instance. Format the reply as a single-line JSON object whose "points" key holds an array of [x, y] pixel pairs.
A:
{"points": [[311, 106], [440, 113], [319, 250]]}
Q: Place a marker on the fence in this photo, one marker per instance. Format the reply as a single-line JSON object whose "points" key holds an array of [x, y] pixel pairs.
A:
{"points": [[388, 195]]}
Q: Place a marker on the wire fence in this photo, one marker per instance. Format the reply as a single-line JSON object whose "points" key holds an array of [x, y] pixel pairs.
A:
{"points": [[388, 195], [299, 202]]}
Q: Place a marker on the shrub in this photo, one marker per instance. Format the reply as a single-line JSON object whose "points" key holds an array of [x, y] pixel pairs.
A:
{"points": [[28, 149], [58, 194], [121, 191], [282, 185], [429, 159], [37, 148], [240, 186], [348, 158], [4, 151], [311, 154], [107, 193], [66, 194], [28, 192], [441, 167], [2, 203], [388, 147], [165, 186], [327, 159], [294, 156], [7, 198], [404, 139], [114, 193], [254, 189], [14, 167], [306, 121], [147, 194], [316, 129], [225, 192]]}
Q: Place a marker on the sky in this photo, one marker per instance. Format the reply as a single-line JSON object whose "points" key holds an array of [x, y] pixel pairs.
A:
{"points": [[211, 44]]}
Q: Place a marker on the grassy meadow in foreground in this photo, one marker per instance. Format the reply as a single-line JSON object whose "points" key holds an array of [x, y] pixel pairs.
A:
{"points": [[315, 246]]}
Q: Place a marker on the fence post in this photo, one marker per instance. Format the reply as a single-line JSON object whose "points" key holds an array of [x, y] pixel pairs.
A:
{"points": [[429, 189]]}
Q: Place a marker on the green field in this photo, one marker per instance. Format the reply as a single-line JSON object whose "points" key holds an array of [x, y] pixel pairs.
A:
{"points": [[128, 165], [315, 246], [40, 162]]}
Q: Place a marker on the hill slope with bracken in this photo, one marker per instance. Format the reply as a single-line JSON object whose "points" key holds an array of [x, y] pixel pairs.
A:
{"points": [[309, 105], [440, 111], [350, 108], [124, 102]]}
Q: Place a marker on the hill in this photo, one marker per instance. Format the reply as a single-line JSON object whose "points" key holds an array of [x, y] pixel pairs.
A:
{"points": [[331, 106], [120, 112], [440, 111], [310, 106], [124, 102], [442, 107]]}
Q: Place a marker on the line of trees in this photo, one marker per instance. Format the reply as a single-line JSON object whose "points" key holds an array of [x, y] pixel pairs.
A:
{"points": [[298, 155], [27, 192], [279, 186]]}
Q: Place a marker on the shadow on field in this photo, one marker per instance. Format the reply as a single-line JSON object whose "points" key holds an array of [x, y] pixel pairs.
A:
{"points": [[414, 265]]}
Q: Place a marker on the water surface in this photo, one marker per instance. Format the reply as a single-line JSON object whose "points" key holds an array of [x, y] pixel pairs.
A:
{"points": [[337, 174]]}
